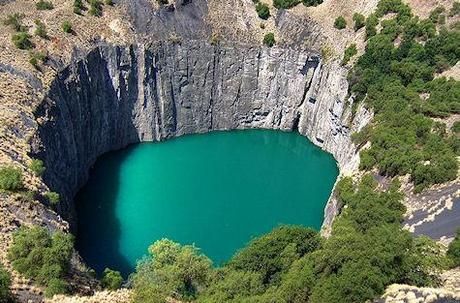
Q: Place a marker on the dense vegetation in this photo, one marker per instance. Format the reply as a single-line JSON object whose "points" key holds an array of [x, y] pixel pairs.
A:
{"points": [[42, 257], [10, 178], [454, 250], [291, 3], [340, 22], [367, 251], [397, 81], [111, 279], [5, 282], [269, 39]]}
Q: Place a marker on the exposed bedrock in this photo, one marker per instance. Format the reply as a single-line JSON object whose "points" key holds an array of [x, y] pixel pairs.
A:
{"points": [[115, 96]]}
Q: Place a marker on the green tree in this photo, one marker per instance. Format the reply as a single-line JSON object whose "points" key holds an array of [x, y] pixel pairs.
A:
{"points": [[170, 270], [111, 279], [22, 40], [56, 287], [285, 3], [44, 5], [37, 167], [10, 178], [359, 21], [340, 22], [67, 27], [453, 251], [269, 39], [5, 283], [262, 10], [312, 2], [349, 53]]}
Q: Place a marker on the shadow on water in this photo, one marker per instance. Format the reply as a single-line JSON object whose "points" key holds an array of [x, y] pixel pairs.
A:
{"points": [[97, 218]]}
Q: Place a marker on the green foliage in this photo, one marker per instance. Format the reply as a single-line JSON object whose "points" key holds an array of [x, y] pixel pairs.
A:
{"points": [[40, 29], [67, 27], [10, 178], [108, 2], [170, 270], [456, 127], [285, 3], [95, 8], [52, 197], [262, 10], [56, 287], [340, 22], [349, 52], [269, 39], [111, 279], [312, 2], [5, 283], [42, 257], [35, 58], [272, 254], [453, 251], [78, 6], [404, 138], [359, 20], [435, 15], [44, 5], [36, 165], [455, 10], [15, 21], [162, 2], [22, 40]]}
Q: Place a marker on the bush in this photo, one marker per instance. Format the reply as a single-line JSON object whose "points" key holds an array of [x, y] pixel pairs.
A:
{"points": [[455, 10], [340, 23], [108, 2], [41, 257], [15, 21], [78, 6], [36, 165], [67, 27], [56, 287], [170, 270], [52, 197], [111, 279], [349, 52], [312, 2], [453, 252], [10, 178], [162, 2], [40, 29], [359, 21], [44, 5], [5, 283], [285, 3], [22, 40], [269, 39], [95, 8], [35, 57], [262, 10]]}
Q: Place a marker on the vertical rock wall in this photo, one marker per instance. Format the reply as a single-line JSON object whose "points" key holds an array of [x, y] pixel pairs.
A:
{"points": [[115, 96]]}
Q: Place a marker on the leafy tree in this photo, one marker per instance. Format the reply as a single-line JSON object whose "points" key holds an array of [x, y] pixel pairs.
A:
{"points": [[37, 167], [269, 39], [170, 270], [15, 21], [67, 27], [340, 22], [359, 21], [10, 178], [111, 279], [262, 10], [285, 3], [56, 287], [349, 52], [5, 283], [371, 22], [436, 14], [22, 40], [312, 2], [44, 5], [42, 257], [453, 251]]}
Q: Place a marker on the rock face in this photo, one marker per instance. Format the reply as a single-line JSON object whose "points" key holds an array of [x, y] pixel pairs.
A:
{"points": [[114, 96]]}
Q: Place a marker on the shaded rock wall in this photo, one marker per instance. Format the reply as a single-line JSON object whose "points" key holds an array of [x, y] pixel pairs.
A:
{"points": [[115, 96]]}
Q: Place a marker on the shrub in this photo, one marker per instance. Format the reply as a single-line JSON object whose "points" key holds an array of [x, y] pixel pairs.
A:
{"points": [[456, 127], [340, 23], [455, 10], [52, 197], [5, 283], [10, 178], [262, 10], [453, 252], [269, 39], [436, 14], [40, 256], [56, 287], [36, 165], [22, 40], [95, 8], [108, 2], [312, 2], [40, 29], [162, 2], [78, 6], [15, 21], [359, 21], [44, 5], [371, 22], [349, 52], [35, 57], [170, 270], [111, 279], [67, 27], [285, 3]]}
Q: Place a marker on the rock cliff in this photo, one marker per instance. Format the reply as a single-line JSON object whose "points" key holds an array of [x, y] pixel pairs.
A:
{"points": [[114, 96]]}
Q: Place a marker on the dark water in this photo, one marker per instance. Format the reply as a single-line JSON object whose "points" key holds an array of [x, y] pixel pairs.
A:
{"points": [[216, 190]]}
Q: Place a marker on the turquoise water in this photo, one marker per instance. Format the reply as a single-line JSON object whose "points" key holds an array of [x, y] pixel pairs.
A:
{"points": [[215, 190]]}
